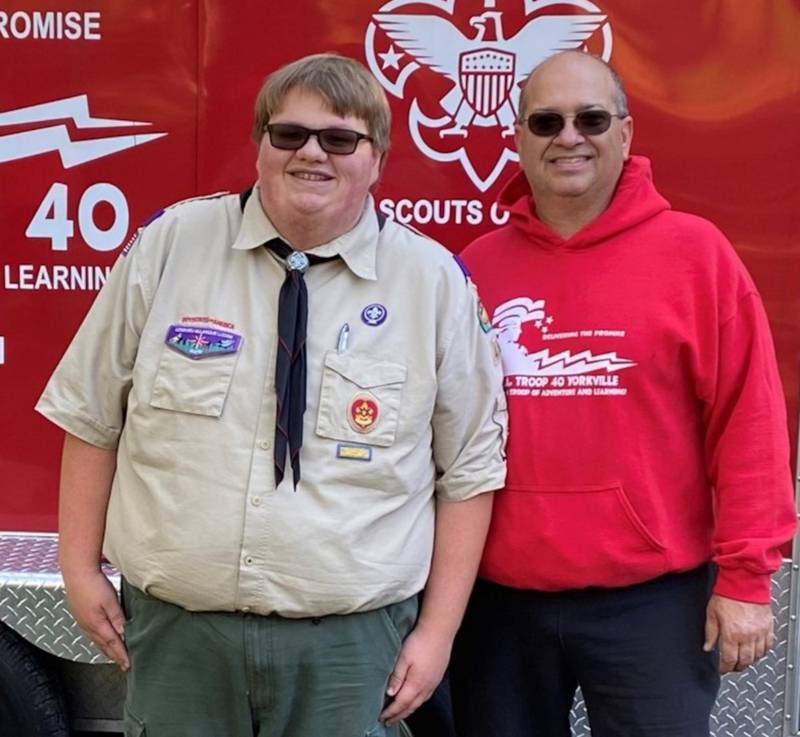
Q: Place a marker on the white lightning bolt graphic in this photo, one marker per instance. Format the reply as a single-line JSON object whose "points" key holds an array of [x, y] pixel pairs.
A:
{"points": [[56, 138], [76, 108], [565, 364]]}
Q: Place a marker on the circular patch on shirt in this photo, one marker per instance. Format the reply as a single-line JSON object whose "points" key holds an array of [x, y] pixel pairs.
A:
{"points": [[363, 413], [374, 314]]}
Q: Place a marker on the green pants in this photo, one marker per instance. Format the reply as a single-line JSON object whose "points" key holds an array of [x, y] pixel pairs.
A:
{"points": [[219, 674]]}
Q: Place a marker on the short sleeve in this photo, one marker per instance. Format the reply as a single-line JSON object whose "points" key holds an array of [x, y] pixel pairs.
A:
{"points": [[87, 394], [470, 415]]}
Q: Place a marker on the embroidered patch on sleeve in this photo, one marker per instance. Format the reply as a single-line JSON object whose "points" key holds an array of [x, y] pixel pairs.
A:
{"points": [[483, 315]]}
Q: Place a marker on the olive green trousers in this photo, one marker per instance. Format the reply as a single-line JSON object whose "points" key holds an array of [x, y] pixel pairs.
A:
{"points": [[220, 674]]}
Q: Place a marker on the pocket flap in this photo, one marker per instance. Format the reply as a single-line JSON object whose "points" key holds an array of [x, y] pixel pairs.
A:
{"points": [[366, 371]]}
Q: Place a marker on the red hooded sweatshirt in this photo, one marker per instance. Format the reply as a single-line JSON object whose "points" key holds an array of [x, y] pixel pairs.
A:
{"points": [[647, 426]]}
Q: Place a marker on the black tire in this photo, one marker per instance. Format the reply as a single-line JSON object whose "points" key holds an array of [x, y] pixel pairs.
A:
{"points": [[31, 699]]}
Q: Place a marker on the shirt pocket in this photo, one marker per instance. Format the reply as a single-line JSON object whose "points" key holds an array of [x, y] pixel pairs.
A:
{"points": [[197, 386], [360, 398]]}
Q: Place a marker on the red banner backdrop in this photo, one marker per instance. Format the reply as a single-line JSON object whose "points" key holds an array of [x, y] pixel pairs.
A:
{"points": [[106, 115]]}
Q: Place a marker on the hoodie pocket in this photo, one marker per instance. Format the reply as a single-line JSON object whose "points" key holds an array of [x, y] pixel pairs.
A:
{"points": [[553, 538]]}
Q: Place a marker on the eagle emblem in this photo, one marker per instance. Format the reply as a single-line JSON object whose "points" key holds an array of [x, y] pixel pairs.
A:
{"points": [[484, 69]]}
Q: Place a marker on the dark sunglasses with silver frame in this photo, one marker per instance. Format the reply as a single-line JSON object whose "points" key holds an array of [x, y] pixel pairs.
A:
{"points": [[587, 122], [290, 137]]}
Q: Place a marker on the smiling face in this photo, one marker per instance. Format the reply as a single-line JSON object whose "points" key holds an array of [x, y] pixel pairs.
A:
{"points": [[572, 169], [309, 188]]}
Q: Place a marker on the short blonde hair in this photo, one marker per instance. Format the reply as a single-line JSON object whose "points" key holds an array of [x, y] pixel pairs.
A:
{"points": [[345, 85]]}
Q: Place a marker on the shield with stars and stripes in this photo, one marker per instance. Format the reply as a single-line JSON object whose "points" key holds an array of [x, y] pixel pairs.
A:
{"points": [[486, 76]]}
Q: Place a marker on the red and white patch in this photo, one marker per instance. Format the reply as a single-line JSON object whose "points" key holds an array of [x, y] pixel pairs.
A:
{"points": [[363, 413]]}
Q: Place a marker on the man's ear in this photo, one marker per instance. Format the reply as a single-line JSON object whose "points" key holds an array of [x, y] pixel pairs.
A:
{"points": [[627, 136]]}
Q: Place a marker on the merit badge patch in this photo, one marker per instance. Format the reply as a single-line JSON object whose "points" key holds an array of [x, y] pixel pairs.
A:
{"points": [[353, 452], [197, 342], [374, 314], [363, 413]]}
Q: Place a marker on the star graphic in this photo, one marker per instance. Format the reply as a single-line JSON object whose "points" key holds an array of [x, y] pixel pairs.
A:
{"points": [[391, 58], [538, 323], [549, 320]]}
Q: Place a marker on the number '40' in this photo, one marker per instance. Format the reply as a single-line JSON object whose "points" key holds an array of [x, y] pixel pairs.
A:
{"points": [[51, 221]]}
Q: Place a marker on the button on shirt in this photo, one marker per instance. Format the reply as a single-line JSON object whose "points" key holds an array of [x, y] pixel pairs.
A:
{"points": [[410, 408]]}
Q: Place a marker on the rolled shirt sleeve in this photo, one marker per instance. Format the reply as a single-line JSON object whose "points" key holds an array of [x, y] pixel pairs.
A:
{"points": [[470, 417], [87, 394]]}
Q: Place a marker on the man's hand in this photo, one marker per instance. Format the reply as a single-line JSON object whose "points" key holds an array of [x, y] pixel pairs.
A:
{"points": [[418, 671], [93, 602], [744, 631]]}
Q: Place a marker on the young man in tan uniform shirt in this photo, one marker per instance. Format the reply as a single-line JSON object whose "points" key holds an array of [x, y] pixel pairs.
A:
{"points": [[307, 585]]}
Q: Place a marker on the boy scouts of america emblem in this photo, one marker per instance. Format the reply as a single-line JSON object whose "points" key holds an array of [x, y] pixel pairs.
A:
{"points": [[363, 413], [466, 55]]}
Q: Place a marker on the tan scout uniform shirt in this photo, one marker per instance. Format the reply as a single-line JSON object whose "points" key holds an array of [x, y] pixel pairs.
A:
{"points": [[194, 517]]}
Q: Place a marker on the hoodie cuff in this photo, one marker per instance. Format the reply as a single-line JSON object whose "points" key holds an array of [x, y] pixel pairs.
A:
{"points": [[739, 584]]}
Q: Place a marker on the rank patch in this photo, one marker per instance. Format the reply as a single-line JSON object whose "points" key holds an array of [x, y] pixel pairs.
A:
{"points": [[197, 342], [363, 413], [354, 452], [374, 314]]}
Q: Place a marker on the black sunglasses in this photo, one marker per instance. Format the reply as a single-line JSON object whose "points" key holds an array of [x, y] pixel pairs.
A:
{"points": [[290, 137], [587, 122]]}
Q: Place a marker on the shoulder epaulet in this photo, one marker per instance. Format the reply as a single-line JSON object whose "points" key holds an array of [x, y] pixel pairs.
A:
{"points": [[158, 213], [199, 198], [412, 229]]}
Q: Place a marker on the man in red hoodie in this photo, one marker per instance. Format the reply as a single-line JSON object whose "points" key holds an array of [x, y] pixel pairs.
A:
{"points": [[648, 486]]}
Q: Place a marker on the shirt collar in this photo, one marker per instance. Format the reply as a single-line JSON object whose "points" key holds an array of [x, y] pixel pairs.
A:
{"points": [[357, 247]]}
